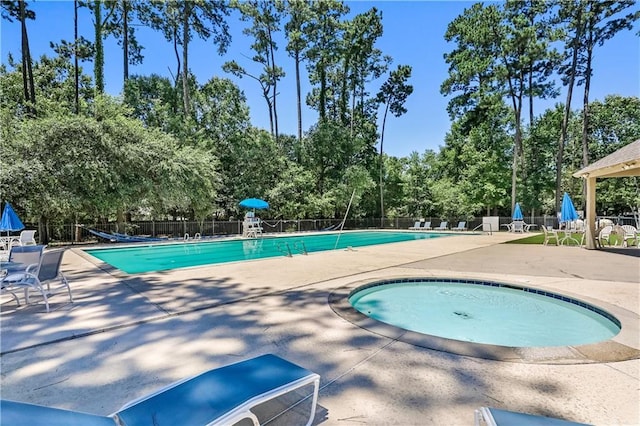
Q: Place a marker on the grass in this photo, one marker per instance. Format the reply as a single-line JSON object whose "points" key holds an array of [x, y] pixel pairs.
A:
{"points": [[538, 238]]}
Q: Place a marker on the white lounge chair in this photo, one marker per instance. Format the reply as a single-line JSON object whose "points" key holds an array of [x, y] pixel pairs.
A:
{"points": [[462, 226], [426, 226], [222, 396], [416, 225], [495, 417], [444, 225], [549, 234]]}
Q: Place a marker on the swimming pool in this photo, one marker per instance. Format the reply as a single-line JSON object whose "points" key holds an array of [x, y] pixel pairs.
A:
{"points": [[485, 312], [161, 257]]}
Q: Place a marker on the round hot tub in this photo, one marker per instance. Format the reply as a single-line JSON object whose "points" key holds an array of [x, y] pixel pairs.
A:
{"points": [[482, 318]]}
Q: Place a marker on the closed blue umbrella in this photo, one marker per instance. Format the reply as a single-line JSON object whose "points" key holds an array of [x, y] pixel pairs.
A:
{"points": [[10, 220], [568, 211], [517, 212], [254, 203]]}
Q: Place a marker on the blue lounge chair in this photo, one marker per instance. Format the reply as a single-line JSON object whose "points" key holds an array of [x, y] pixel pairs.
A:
{"points": [[222, 396], [495, 417]]}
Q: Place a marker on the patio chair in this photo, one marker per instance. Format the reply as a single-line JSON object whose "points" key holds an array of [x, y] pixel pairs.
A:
{"points": [[426, 226], [517, 226], [50, 271], [629, 232], [549, 234], [462, 226], [495, 417], [23, 265], [222, 396], [444, 225], [27, 238], [604, 236]]}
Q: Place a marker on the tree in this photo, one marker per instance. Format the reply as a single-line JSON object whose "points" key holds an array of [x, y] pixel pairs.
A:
{"points": [[300, 13], [602, 22], [324, 49], [180, 19], [18, 10], [393, 94], [265, 17], [119, 25]]}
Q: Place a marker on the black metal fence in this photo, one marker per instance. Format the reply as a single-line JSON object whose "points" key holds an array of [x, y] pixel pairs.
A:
{"points": [[78, 234]]}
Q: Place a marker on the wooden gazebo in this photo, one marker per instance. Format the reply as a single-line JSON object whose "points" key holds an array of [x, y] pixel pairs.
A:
{"points": [[624, 162]]}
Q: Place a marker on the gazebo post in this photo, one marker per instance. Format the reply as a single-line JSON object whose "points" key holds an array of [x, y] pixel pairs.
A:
{"points": [[591, 213]]}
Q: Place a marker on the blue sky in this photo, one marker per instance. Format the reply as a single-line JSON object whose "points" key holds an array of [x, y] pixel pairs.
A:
{"points": [[413, 35]]}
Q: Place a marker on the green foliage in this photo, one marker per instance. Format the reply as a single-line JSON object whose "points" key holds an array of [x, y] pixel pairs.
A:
{"points": [[83, 167]]}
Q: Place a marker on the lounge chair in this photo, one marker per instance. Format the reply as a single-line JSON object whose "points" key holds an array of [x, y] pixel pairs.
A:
{"points": [[495, 417], [549, 234], [462, 226], [222, 396], [426, 226], [416, 225], [444, 225], [34, 278], [23, 266]]}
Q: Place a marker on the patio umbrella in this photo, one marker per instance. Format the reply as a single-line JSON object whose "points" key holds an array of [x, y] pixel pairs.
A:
{"points": [[517, 213], [10, 220], [568, 212], [254, 203]]}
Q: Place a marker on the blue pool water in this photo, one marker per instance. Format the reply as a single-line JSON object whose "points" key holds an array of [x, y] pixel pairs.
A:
{"points": [[476, 311], [160, 257]]}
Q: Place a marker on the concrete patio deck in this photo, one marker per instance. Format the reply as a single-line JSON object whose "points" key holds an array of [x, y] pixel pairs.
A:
{"points": [[125, 336]]}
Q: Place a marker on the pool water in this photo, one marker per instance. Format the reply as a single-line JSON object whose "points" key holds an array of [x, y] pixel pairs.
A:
{"points": [[486, 313], [161, 257]]}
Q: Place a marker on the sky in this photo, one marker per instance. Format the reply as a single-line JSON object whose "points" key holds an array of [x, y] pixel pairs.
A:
{"points": [[413, 35]]}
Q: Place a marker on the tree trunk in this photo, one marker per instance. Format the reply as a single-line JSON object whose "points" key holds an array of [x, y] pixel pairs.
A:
{"points": [[98, 65], [76, 67], [567, 112], [274, 82], [384, 121], [27, 71], [185, 55], [125, 39], [299, 96]]}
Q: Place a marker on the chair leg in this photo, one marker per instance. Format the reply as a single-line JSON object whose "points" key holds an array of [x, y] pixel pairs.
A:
{"points": [[66, 283]]}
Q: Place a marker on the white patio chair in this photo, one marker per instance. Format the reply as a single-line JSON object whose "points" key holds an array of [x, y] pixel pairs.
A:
{"points": [[426, 226], [604, 236], [629, 232], [27, 238], [549, 234]]}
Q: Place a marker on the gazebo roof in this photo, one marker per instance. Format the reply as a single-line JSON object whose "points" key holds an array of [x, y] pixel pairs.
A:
{"points": [[621, 163]]}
